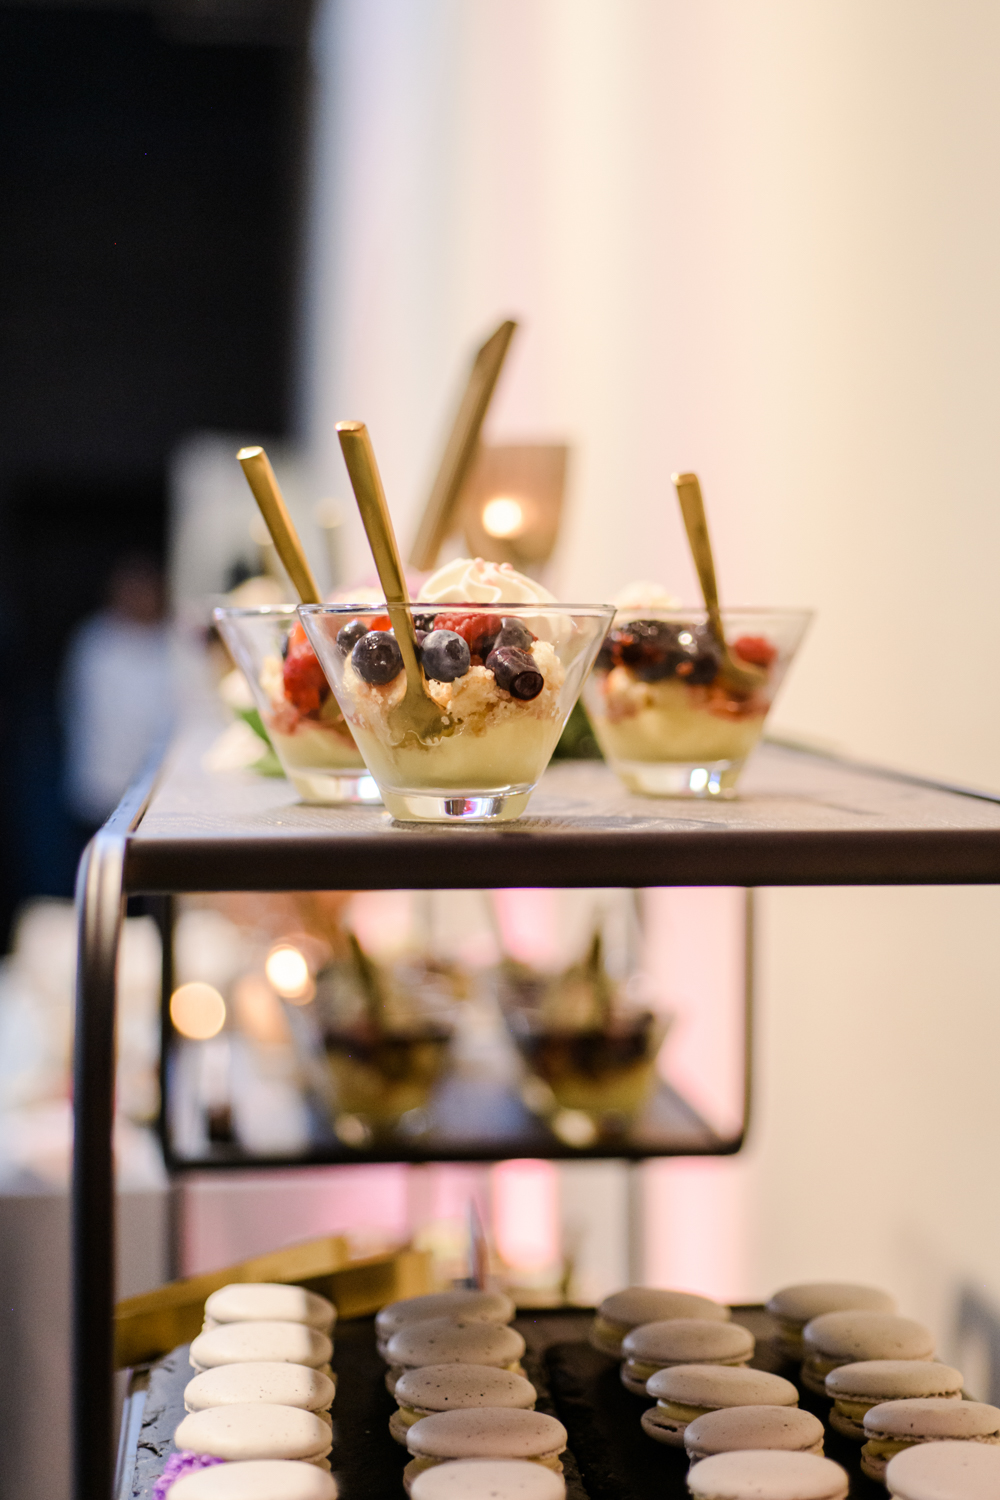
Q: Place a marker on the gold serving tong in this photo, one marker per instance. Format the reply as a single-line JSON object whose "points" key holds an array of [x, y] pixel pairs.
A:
{"points": [[742, 676], [261, 478], [461, 447], [416, 713]]}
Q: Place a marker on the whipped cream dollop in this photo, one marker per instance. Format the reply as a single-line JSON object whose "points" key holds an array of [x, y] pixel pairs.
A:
{"points": [[645, 595], [471, 580]]}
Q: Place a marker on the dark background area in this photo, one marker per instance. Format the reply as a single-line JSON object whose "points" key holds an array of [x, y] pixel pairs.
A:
{"points": [[149, 236]]}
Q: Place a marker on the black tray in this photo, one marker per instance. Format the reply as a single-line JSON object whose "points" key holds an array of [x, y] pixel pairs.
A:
{"points": [[609, 1456]]}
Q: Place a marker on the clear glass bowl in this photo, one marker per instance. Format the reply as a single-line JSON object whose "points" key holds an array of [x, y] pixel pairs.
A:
{"points": [[301, 715], [664, 718], [505, 705]]}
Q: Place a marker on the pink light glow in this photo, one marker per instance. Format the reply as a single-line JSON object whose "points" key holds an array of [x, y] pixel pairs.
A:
{"points": [[526, 1214], [227, 1217], [529, 921], [695, 1228]]}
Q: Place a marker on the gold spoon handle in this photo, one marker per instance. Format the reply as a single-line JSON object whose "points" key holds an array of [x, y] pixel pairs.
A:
{"points": [[696, 525], [359, 456], [261, 479]]}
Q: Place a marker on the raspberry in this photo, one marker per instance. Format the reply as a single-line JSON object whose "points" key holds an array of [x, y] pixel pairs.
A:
{"points": [[478, 631], [755, 649], [305, 685]]}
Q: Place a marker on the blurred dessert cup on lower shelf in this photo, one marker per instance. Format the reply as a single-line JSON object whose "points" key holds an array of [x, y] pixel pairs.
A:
{"points": [[668, 719], [589, 1051], [386, 1036], [297, 709], [498, 681]]}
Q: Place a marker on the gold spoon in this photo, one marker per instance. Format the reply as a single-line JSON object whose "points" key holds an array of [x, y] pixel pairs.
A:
{"points": [[742, 676], [416, 713], [261, 479]]}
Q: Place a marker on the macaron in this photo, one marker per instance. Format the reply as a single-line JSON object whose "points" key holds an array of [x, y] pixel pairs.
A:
{"points": [[446, 1341], [686, 1392], [795, 1306], [855, 1389], [767, 1474], [895, 1425], [844, 1338], [488, 1479], [681, 1341], [434, 1388], [618, 1314], [257, 1479], [282, 1343], [255, 1429], [464, 1303], [484, 1432], [944, 1471], [269, 1302], [743, 1427], [261, 1380]]}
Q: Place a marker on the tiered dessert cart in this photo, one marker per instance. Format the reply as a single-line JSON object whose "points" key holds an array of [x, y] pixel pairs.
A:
{"points": [[802, 819]]}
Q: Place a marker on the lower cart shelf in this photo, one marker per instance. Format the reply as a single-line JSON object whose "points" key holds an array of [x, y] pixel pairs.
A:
{"points": [[609, 1457]]}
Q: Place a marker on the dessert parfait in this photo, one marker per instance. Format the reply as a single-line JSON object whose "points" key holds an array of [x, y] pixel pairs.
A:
{"points": [[590, 1052], [302, 718], [386, 1038], [501, 665], [669, 718]]}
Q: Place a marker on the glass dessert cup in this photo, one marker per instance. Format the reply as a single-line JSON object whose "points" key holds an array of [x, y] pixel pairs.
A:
{"points": [[586, 1049], [504, 678], [666, 719], [302, 718]]}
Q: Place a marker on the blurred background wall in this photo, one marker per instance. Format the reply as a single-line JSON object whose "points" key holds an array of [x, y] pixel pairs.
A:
{"points": [[148, 275], [757, 240]]}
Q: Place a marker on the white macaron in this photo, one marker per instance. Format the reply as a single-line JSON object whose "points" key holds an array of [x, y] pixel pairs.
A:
{"points": [[469, 1305], [681, 1341], [854, 1389], [845, 1338], [269, 1381], [618, 1314], [488, 1479], [795, 1306], [446, 1341], [257, 1479], [740, 1428], [255, 1430], [945, 1471], [432, 1388], [484, 1432], [269, 1302], [283, 1343], [894, 1426], [686, 1392], [766, 1474]]}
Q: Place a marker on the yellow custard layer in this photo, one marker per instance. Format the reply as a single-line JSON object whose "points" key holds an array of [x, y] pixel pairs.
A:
{"points": [[667, 721]]}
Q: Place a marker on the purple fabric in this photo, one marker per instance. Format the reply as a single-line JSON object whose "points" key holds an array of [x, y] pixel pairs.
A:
{"points": [[176, 1466]]}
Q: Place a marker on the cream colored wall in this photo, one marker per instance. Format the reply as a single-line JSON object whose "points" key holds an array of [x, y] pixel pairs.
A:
{"points": [[761, 240]]}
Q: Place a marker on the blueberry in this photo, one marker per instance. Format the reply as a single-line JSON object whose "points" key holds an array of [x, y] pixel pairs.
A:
{"points": [[423, 622], [376, 657], [445, 655], [349, 635], [514, 633], [653, 649], [515, 671], [705, 656]]}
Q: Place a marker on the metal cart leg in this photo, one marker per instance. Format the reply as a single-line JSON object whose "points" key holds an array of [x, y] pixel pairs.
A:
{"points": [[100, 908]]}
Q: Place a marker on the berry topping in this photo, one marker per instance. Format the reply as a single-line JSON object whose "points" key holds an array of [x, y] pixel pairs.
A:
{"points": [[305, 686], [513, 632], [756, 649], [515, 671], [423, 622], [445, 655], [704, 658], [376, 657], [349, 635], [478, 631]]}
